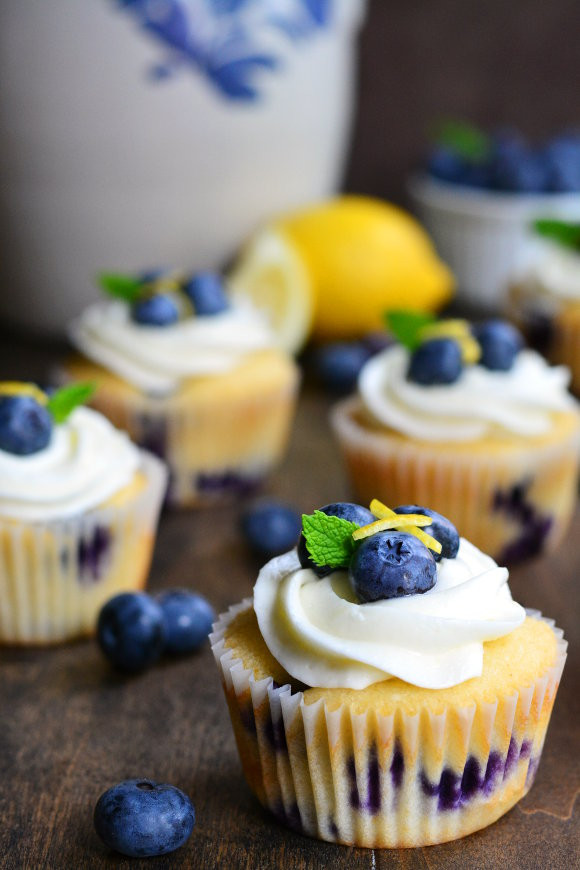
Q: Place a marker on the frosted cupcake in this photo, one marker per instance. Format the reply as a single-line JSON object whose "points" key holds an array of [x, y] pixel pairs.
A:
{"points": [[471, 423], [195, 379], [78, 512], [396, 700], [545, 299]]}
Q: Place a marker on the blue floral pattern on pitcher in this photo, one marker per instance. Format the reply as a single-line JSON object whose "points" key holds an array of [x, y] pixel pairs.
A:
{"points": [[224, 39]]}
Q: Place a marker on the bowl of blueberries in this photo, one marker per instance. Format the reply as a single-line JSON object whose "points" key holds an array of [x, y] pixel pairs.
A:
{"points": [[478, 195]]}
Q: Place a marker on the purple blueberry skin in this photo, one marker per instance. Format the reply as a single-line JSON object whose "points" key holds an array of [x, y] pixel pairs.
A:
{"points": [[437, 361], [500, 343], [441, 529], [355, 513], [187, 620], [141, 818], [271, 527], [206, 292], [159, 310], [391, 565], [131, 631], [25, 425]]}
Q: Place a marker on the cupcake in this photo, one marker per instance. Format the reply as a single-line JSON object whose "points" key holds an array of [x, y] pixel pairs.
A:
{"points": [[545, 298], [469, 421], [191, 377], [384, 688], [78, 511]]}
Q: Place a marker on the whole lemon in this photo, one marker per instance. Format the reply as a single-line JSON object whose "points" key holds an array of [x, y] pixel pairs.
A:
{"points": [[364, 256]]}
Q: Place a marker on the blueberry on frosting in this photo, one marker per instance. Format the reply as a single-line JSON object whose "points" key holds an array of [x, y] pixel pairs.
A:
{"points": [[441, 529], [25, 425], [206, 292], [157, 310], [352, 513], [500, 343], [437, 361], [390, 565]]}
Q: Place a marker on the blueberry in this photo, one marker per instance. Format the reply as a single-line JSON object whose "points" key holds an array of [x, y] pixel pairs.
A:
{"points": [[206, 292], [130, 631], [441, 529], [25, 425], [338, 365], [500, 343], [437, 361], [446, 165], [355, 513], [390, 565], [141, 818], [158, 310], [271, 527], [562, 160], [187, 620], [519, 170]]}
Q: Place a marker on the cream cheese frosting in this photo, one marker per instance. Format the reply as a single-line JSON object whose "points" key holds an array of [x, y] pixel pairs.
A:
{"points": [[555, 271], [480, 403], [156, 359], [86, 462], [323, 638]]}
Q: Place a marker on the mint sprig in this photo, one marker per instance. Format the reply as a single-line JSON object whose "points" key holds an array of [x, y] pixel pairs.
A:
{"points": [[63, 402], [125, 287], [565, 233], [406, 326], [329, 540], [463, 138]]}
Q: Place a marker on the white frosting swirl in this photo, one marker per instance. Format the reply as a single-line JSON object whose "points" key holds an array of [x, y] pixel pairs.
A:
{"points": [[323, 638], [86, 461], [480, 403], [155, 359], [554, 270]]}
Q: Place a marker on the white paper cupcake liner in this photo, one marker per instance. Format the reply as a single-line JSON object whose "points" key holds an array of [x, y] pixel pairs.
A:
{"points": [[384, 781], [56, 575]]}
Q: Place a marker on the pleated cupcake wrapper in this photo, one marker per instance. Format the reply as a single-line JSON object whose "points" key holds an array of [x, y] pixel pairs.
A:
{"points": [[384, 781], [55, 575], [201, 443], [501, 501]]}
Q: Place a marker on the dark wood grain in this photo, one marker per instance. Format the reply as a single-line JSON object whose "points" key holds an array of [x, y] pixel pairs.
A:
{"points": [[70, 727]]}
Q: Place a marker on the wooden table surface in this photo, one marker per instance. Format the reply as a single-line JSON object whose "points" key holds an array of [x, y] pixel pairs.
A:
{"points": [[70, 727]]}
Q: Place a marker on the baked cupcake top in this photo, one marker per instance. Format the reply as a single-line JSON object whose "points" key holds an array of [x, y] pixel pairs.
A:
{"points": [[156, 331], [457, 382], [57, 459], [374, 594], [554, 267]]}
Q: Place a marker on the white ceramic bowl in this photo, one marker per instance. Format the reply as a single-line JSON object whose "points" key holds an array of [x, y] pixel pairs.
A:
{"points": [[484, 236], [159, 133]]}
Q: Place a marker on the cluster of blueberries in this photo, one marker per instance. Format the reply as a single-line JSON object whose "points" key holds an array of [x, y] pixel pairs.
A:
{"points": [[204, 290], [512, 164], [389, 564], [440, 360]]}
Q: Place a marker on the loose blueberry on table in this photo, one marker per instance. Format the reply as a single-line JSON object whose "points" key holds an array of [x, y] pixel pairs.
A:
{"points": [[352, 513], [206, 292], [271, 527], [338, 364], [187, 620], [141, 818], [158, 310], [131, 631]]}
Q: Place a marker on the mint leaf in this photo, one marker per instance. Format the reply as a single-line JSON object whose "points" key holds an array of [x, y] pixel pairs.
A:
{"points": [[465, 139], [328, 539], [125, 287], [406, 326], [565, 233], [63, 402]]}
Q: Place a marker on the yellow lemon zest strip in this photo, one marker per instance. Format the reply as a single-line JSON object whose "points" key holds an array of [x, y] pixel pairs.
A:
{"points": [[19, 388], [381, 511], [470, 350], [453, 328], [403, 522]]}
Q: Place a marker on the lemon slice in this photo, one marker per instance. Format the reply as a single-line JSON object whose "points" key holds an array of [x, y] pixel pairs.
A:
{"points": [[271, 275]]}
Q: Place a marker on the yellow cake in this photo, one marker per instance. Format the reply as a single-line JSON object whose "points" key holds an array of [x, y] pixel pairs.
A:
{"points": [[77, 526], [497, 451], [391, 764]]}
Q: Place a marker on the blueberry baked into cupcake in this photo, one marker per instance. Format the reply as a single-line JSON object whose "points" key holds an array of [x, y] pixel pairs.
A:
{"points": [[384, 688], [192, 377], [545, 299], [78, 513], [468, 420]]}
